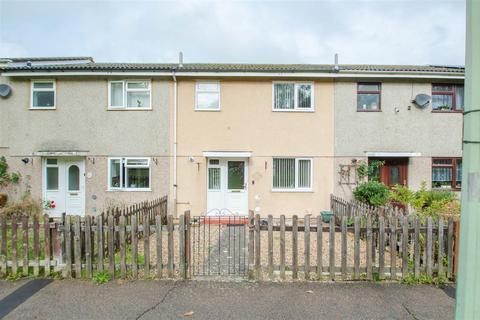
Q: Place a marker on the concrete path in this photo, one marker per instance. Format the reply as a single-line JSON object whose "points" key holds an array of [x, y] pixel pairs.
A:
{"points": [[69, 299]]}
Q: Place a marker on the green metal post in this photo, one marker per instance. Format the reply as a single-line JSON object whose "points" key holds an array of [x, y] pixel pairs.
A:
{"points": [[468, 276]]}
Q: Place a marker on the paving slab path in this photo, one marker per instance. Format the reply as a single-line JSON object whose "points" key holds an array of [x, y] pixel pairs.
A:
{"points": [[74, 299]]}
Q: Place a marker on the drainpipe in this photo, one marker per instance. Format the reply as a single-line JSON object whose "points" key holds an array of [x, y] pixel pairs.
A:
{"points": [[174, 142], [468, 276]]}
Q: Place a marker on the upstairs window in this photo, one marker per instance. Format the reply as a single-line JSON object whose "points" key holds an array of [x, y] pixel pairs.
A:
{"points": [[447, 173], [289, 96], [43, 94], [369, 96], [207, 95], [292, 174], [131, 94], [447, 97], [129, 174]]}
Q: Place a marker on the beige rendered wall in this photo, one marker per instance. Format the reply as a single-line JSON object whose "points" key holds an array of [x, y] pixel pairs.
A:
{"points": [[246, 122], [81, 122], [409, 130]]}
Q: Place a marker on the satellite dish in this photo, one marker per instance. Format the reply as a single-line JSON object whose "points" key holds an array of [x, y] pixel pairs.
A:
{"points": [[5, 90], [421, 100]]}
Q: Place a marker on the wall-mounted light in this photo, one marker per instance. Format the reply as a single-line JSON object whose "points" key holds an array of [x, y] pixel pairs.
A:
{"points": [[191, 159], [25, 160], [155, 160]]}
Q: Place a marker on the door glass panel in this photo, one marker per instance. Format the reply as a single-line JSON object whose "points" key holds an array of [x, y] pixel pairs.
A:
{"points": [[214, 178], [394, 175], [52, 178], [236, 175], [73, 178]]}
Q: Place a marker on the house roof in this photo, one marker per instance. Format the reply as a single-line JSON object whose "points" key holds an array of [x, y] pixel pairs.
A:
{"points": [[234, 68]]}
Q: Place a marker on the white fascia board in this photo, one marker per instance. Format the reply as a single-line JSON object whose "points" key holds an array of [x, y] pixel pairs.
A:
{"points": [[60, 153], [179, 73], [393, 154], [227, 154]]}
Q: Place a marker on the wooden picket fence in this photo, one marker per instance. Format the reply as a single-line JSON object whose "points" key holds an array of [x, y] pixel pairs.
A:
{"points": [[81, 246], [392, 247], [143, 245], [351, 208]]}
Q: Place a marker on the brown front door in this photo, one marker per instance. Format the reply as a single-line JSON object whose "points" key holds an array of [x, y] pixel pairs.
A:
{"points": [[394, 171]]}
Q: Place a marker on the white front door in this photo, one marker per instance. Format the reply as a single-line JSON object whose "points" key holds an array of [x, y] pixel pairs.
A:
{"points": [[64, 184], [227, 192]]}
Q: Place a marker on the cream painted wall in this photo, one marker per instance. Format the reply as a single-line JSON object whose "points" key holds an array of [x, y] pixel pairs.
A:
{"points": [[246, 122]]}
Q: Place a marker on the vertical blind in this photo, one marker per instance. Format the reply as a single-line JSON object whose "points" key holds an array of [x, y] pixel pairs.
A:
{"points": [[304, 173], [284, 95], [291, 173], [284, 173]]}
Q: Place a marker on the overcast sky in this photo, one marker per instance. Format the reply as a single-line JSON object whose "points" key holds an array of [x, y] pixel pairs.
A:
{"points": [[379, 32]]}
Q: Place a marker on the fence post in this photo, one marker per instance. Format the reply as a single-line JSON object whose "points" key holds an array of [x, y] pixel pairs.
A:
{"points": [[258, 269], [295, 247], [332, 248], [181, 244], [270, 246], [319, 247], [251, 241], [170, 246], [25, 245], [46, 230], [306, 246], [456, 246], [344, 247], [356, 248]]}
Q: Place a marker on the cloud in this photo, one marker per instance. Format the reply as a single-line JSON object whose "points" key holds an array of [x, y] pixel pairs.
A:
{"points": [[409, 32]]}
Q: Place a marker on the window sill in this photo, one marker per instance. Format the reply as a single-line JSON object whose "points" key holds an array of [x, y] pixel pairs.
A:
{"points": [[208, 110], [129, 109], [129, 190], [447, 111], [365, 110], [447, 189], [42, 108], [292, 191], [294, 110]]}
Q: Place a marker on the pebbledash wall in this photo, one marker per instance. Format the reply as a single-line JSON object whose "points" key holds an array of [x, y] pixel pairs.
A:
{"points": [[413, 130], [81, 122], [246, 122]]}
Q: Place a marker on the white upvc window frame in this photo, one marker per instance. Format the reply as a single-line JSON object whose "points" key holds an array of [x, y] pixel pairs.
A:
{"points": [[124, 176], [33, 89], [296, 188], [295, 103], [217, 82], [125, 91]]}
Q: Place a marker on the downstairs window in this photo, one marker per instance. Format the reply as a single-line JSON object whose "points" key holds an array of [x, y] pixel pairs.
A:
{"points": [[129, 173]]}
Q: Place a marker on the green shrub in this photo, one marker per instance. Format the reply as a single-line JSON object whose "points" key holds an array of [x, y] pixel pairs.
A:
{"points": [[101, 277], [372, 192], [401, 194]]}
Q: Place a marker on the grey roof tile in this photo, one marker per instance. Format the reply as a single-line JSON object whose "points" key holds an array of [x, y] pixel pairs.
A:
{"points": [[240, 67]]}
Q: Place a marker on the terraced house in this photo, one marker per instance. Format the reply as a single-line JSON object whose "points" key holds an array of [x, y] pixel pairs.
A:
{"points": [[227, 138]]}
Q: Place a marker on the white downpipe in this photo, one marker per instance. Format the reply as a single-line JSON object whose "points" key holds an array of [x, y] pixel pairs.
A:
{"points": [[174, 142]]}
